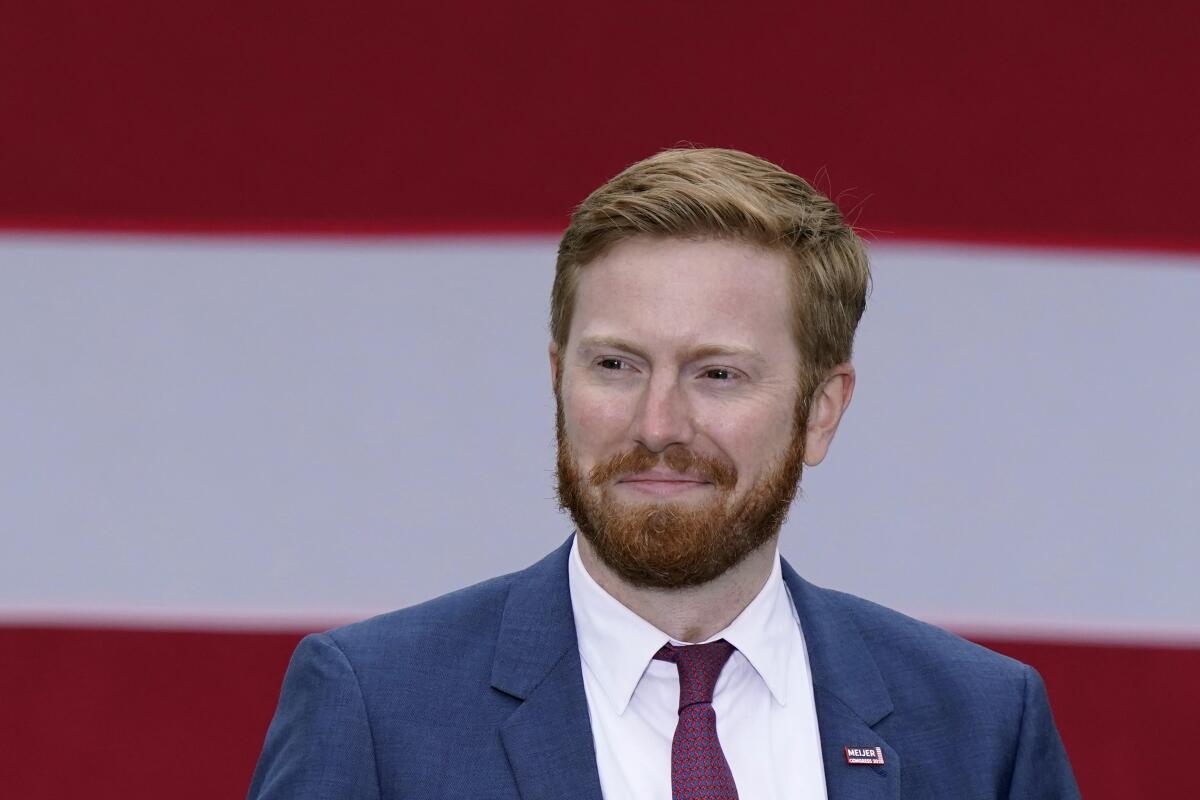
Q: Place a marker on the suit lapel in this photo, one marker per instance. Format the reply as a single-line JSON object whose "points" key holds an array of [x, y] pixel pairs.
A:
{"points": [[841, 728], [851, 697], [548, 739]]}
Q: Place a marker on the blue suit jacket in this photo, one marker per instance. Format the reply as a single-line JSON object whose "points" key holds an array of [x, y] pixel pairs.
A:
{"points": [[479, 694]]}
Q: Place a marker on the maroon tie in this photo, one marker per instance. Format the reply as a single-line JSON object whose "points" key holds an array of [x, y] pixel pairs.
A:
{"points": [[698, 767]]}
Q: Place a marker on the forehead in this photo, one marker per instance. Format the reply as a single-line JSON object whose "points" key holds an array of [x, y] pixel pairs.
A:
{"points": [[687, 292]]}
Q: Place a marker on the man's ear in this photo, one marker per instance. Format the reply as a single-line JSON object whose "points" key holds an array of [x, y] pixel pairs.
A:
{"points": [[553, 364], [829, 403]]}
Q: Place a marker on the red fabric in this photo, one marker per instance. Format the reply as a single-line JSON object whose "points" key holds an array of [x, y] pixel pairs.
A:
{"points": [[1030, 121], [132, 715], [1116, 706], [127, 715]]}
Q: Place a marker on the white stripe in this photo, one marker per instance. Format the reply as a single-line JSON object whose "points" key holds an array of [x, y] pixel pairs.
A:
{"points": [[261, 428]]}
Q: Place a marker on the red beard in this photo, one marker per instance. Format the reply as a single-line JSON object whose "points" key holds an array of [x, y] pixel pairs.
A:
{"points": [[669, 545]]}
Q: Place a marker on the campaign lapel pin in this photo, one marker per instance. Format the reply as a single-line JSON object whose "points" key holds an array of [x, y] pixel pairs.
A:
{"points": [[864, 755]]}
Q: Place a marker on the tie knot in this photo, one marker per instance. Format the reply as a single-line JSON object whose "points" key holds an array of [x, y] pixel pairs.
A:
{"points": [[699, 666]]}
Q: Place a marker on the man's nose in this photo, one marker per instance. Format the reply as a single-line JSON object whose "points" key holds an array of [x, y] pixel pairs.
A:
{"points": [[664, 415]]}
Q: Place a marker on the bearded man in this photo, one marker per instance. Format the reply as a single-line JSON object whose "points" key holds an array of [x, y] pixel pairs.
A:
{"points": [[702, 319]]}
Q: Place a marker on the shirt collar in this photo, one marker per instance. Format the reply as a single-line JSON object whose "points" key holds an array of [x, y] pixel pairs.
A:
{"points": [[617, 645], [767, 632]]}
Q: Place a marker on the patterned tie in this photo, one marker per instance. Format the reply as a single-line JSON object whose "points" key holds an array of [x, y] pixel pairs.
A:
{"points": [[698, 767]]}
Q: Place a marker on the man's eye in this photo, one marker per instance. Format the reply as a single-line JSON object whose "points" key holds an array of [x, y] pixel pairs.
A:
{"points": [[720, 374], [611, 363]]}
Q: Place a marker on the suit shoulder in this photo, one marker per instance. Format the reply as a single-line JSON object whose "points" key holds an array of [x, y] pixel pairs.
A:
{"points": [[907, 646], [942, 691], [468, 615]]}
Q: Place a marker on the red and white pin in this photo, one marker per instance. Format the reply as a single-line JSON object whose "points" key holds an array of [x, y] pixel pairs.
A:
{"points": [[864, 755]]}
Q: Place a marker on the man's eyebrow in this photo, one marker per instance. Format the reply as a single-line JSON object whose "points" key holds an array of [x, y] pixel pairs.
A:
{"points": [[706, 350], [610, 342], [700, 351]]}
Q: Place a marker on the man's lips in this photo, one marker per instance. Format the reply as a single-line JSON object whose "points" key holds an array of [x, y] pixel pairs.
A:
{"points": [[663, 477], [663, 482]]}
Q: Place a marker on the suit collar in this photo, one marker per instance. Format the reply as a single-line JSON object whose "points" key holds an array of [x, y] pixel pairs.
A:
{"points": [[548, 738], [851, 696], [841, 662], [537, 628]]}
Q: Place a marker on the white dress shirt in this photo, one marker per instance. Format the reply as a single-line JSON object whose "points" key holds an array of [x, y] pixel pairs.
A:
{"points": [[766, 717]]}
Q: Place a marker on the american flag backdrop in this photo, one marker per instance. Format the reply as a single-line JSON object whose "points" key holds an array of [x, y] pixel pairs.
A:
{"points": [[274, 281]]}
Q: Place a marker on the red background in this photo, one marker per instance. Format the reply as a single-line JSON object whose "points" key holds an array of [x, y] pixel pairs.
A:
{"points": [[119, 713], [1034, 121]]}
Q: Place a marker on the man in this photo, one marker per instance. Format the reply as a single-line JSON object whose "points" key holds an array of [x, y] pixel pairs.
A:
{"points": [[703, 312]]}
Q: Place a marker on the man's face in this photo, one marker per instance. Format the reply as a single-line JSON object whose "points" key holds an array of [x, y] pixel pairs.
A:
{"points": [[680, 435]]}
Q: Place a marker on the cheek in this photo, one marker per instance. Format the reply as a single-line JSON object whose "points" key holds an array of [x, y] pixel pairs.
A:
{"points": [[753, 440], [593, 423]]}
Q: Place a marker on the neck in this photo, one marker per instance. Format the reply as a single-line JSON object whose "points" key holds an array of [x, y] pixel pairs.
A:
{"points": [[694, 613]]}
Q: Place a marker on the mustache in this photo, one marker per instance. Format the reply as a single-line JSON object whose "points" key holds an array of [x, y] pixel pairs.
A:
{"points": [[677, 458]]}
